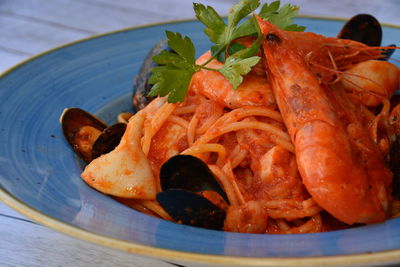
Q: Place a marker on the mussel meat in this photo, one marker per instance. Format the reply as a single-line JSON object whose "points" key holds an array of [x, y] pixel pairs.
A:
{"points": [[366, 29], [88, 135], [141, 86], [183, 178]]}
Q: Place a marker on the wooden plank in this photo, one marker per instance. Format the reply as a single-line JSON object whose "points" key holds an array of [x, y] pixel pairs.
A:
{"points": [[31, 37], [27, 244], [6, 211], [81, 15], [383, 10], [9, 58], [176, 8]]}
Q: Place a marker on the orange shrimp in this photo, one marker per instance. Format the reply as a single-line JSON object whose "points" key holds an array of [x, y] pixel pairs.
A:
{"points": [[340, 165], [254, 91]]}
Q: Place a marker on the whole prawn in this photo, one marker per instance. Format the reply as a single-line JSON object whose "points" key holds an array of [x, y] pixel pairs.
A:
{"points": [[340, 166]]}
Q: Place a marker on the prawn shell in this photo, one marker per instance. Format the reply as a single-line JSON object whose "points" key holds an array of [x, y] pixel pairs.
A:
{"points": [[72, 120]]}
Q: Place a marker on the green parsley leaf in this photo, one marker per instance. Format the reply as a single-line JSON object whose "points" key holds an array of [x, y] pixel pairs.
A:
{"points": [[173, 77], [170, 81], [235, 68], [269, 10], [281, 17], [295, 28], [220, 33], [246, 28], [241, 62], [240, 11], [209, 17], [252, 50], [218, 51], [234, 48], [182, 46]]}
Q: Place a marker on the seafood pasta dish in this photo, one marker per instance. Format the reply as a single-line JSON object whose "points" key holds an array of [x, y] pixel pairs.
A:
{"points": [[273, 130]]}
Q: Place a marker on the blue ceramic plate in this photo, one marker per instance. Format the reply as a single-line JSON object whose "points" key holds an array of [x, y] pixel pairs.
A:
{"points": [[40, 175]]}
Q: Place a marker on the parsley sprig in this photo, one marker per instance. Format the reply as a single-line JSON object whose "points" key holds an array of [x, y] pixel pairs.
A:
{"points": [[173, 75]]}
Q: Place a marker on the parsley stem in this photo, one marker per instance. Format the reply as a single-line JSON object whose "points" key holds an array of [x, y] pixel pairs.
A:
{"points": [[203, 67], [208, 61], [212, 57]]}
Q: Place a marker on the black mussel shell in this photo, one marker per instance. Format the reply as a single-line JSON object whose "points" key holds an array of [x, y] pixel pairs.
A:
{"points": [[72, 120], [191, 209], [141, 86], [363, 28], [189, 173], [108, 140]]}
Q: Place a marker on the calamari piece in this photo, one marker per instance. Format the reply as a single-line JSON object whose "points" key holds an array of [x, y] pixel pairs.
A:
{"points": [[125, 171]]}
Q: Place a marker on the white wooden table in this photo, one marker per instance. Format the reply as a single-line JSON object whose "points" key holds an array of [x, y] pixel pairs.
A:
{"points": [[28, 27]]}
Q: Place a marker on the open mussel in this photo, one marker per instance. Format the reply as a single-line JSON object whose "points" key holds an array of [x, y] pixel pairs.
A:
{"points": [[183, 179], [366, 29], [141, 86], [88, 135]]}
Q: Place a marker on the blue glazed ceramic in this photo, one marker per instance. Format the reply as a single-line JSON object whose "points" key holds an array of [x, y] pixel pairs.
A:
{"points": [[40, 175]]}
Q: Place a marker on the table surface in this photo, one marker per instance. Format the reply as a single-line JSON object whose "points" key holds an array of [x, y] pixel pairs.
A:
{"points": [[28, 27]]}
